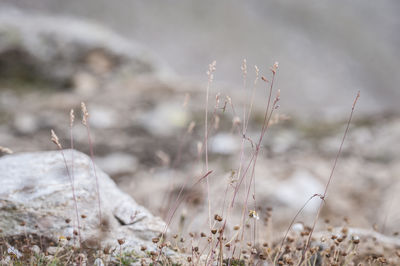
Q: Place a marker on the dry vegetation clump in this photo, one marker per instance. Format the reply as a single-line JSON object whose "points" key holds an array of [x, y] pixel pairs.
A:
{"points": [[226, 241]]}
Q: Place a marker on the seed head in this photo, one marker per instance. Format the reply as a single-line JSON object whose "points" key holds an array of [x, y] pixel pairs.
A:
{"points": [[71, 117], [218, 218], [55, 139], [191, 127], [85, 113], [254, 214], [211, 69], [355, 239], [275, 68], [244, 68], [5, 150], [257, 70]]}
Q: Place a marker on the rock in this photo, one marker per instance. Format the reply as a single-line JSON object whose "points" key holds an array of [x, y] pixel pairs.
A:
{"points": [[298, 227], [6, 260], [284, 141], [103, 117], [46, 49], [35, 249], [85, 84], [25, 124], [165, 119], [98, 262], [118, 163], [297, 189], [53, 250], [36, 198], [226, 144]]}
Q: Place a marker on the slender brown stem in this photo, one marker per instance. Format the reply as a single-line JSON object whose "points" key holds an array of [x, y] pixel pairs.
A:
{"points": [[73, 194], [94, 170], [323, 197], [210, 71], [73, 184], [292, 222]]}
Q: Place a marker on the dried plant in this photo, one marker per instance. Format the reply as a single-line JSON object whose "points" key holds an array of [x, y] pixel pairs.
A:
{"points": [[210, 74], [85, 122], [323, 197], [5, 150], [70, 173]]}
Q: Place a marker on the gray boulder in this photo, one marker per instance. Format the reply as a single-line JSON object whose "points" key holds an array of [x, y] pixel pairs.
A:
{"points": [[61, 51], [36, 198]]}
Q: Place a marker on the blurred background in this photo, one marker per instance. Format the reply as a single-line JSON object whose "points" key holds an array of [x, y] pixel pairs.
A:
{"points": [[327, 50], [141, 67]]}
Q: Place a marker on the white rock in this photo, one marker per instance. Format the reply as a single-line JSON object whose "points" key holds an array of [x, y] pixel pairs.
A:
{"points": [[25, 123], [165, 119], [297, 189], [53, 250], [223, 143], [102, 117], [98, 262], [117, 163], [298, 227], [35, 188], [35, 249], [283, 141]]}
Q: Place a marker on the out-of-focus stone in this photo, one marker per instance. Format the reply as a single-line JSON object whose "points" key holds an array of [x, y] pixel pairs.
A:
{"points": [[36, 198]]}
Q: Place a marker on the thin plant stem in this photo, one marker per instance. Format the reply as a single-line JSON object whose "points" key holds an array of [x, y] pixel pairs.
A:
{"points": [[94, 171], [292, 222], [210, 71], [177, 202], [323, 197], [85, 122], [73, 172], [56, 141]]}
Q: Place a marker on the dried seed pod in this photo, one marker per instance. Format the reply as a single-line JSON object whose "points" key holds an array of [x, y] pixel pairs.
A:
{"points": [[217, 218], [355, 239]]}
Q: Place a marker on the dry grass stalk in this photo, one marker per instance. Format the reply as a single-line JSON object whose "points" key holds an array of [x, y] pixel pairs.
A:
{"points": [[210, 74], [71, 126], [5, 150], [252, 162], [179, 199], [56, 141], [85, 122], [323, 196]]}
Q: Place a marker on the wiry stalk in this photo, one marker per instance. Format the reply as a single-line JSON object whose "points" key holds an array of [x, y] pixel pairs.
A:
{"points": [[210, 74], [323, 197], [70, 174], [85, 122]]}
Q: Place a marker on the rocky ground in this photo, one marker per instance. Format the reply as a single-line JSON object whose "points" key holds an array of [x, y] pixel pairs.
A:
{"points": [[147, 125]]}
